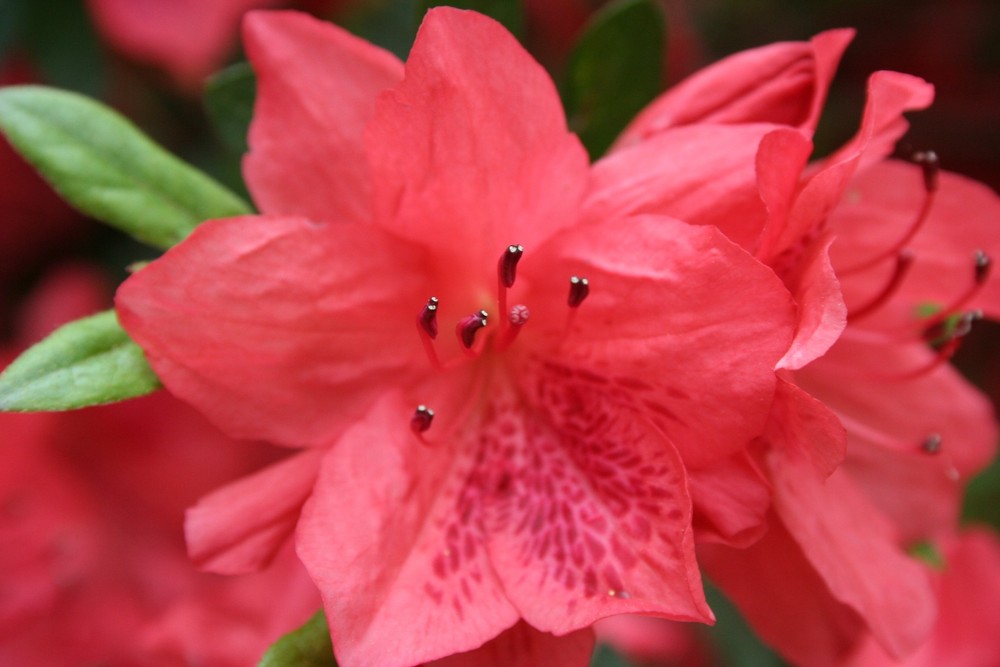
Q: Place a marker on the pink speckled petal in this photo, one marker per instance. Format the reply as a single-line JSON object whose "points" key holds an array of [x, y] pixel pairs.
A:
{"points": [[588, 512], [395, 543]]}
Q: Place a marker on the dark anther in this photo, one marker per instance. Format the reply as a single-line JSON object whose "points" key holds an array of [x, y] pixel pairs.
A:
{"points": [[422, 418], [428, 317], [579, 288], [931, 165], [931, 444], [507, 266], [952, 328], [983, 264], [467, 328]]}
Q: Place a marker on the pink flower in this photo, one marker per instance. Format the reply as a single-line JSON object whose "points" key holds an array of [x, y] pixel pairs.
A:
{"points": [[968, 620], [834, 556], [469, 471], [92, 563], [187, 38]]}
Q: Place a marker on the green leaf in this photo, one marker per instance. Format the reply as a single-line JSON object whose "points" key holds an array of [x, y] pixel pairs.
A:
{"points": [[615, 69], [507, 12], [309, 646], [229, 98], [91, 361], [105, 167]]}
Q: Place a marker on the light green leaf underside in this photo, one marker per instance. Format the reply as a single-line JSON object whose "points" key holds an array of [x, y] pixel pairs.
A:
{"points": [[91, 361]]}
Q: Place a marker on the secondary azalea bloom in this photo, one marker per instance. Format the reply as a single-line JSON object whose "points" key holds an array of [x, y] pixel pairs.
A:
{"points": [[842, 540], [968, 621], [92, 562], [188, 38], [502, 404]]}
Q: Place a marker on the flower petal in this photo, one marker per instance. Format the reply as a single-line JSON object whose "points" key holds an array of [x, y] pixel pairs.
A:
{"points": [[731, 500], [317, 85], [780, 83], [470, 152], [801, 423], [881, 204], [268, 325], [189, 38], [240, 527], [523, 646], [590, 514], [855, 550], [687, 324], [395, 547], [784, 600], [889, 95], [868, 381], [702, 174], [822, 313]]}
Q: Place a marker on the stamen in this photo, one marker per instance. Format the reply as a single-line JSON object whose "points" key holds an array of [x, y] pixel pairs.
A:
{"points": [[945, 329], [931, 167], [579, 288], [428, 329], [421, 420], [931, 444], [904, 260], [506, 273], [466, 329], [948, 347], [427, 320], [507, 266], [929, 161], [981, 265]]}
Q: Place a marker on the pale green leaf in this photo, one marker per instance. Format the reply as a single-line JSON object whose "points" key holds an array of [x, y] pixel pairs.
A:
{"points": [[109, 170], [91, 361]]}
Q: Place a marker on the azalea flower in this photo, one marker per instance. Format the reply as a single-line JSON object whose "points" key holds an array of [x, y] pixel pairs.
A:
{"points": [[968, 591], [188, 38], [500, 401], [92, 563], [904, 238]]}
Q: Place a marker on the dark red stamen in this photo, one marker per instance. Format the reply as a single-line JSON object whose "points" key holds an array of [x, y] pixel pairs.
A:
{"points": [[507, 266], [579, 288], [427, 319], [904, 260], [945, 329], [466, 329], [421, 420], [931, 167], [931, 444], [982, 265]]}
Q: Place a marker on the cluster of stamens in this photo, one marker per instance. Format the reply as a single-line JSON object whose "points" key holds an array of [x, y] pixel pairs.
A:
{"points": [[467, 327], [945, 329]]}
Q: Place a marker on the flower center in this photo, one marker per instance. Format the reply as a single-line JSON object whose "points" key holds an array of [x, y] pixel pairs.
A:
{"points": [[471, 342]]}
